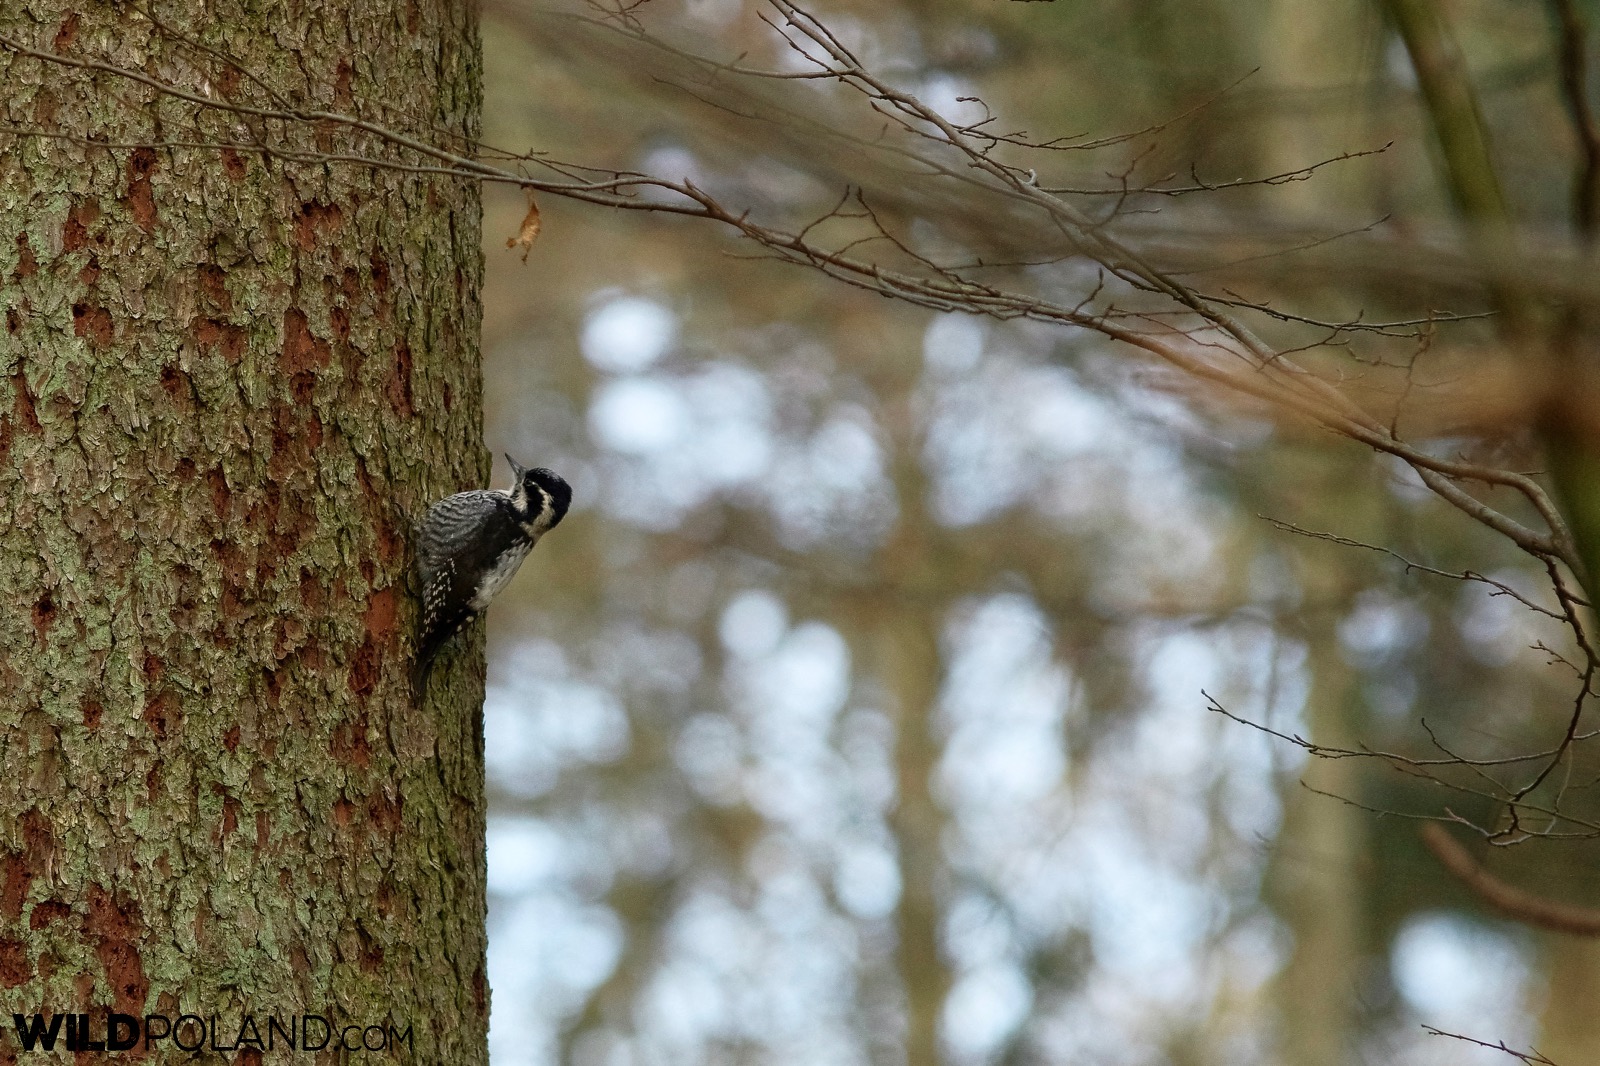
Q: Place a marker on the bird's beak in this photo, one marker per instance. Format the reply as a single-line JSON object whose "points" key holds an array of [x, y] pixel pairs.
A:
{"points": [[516, 468]]}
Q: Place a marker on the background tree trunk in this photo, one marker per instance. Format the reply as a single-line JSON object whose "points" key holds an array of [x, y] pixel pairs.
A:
{"points": [[1318, 881], [1566, 1024], [228, 384], [905, 655]]}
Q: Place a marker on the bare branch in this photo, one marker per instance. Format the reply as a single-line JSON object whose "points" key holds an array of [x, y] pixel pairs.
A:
{"points": [[1513, 902], [1500, 587], [1198, 334], [1531, 1057], [1200, 185]]}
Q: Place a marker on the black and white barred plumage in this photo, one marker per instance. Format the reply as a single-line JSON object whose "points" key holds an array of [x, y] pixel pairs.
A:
{"points": [[469, 546]]}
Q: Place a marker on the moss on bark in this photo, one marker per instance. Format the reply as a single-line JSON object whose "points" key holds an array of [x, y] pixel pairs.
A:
{"points": [[227, 385]]}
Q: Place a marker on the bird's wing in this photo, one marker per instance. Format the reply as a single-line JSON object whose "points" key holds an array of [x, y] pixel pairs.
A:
{"points": [[452, 522], [455, 539]]}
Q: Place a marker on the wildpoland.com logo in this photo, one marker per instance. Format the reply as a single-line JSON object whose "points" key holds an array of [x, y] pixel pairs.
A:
{"points": [[192, 1032]]}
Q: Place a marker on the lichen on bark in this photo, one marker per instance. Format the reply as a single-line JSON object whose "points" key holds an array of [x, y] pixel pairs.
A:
{"points": [[228, 383]]}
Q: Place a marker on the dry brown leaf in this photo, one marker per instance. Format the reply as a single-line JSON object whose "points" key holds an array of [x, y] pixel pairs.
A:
{"points": [[529, 231]]}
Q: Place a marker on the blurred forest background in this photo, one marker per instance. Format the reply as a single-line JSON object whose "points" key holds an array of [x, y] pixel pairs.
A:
{"points": [[859, 713]]}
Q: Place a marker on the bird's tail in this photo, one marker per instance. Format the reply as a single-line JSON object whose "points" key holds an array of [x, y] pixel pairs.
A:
{"points": [[419, 675]]}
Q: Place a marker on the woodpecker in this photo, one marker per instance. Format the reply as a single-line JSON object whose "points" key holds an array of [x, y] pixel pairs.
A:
{"points": [[469, 546]]}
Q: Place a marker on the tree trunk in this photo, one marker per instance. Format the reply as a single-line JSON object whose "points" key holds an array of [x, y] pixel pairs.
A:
{"points": [[228, 384], [1567, 1031], [1314, 54], [1316, 880], [905, 656]]}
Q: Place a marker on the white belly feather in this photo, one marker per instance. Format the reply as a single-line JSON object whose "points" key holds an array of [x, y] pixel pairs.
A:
{"points": [[500, 575]]}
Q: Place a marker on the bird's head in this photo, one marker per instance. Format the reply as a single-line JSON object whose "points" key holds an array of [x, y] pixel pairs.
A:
{"points": [[541, 496]]}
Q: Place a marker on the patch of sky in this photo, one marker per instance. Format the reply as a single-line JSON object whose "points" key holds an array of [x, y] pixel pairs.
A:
{"points": [[1001, 428], [1003, 704], [537, 720], [780, 972], [547, 952], [1380, 628], [753, 623], [833, 484], [984, 1008], [675, 440], [1463, 977], [867, 878], [1497, 628], [628, 334]]}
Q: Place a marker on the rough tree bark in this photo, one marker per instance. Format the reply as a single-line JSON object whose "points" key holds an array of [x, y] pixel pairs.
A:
{"points": [[228, 383]]}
